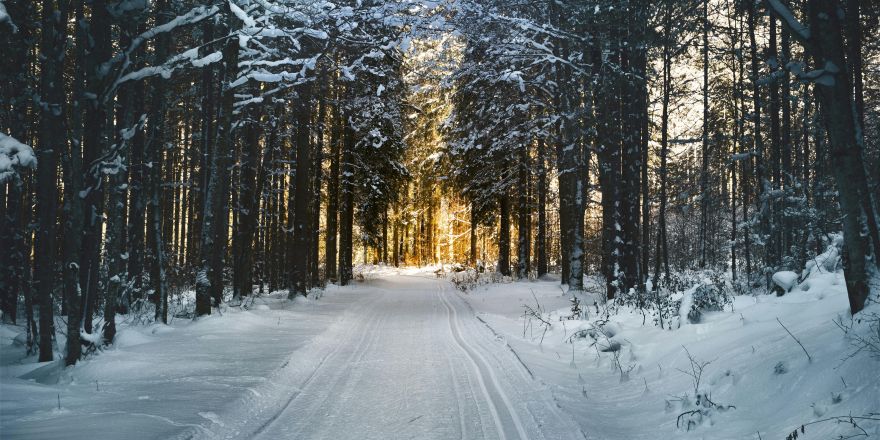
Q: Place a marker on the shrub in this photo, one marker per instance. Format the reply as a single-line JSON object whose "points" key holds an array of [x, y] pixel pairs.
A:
{"points": [[712, 296]]}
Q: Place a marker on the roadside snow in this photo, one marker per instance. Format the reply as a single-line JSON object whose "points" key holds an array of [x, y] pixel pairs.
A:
{"points": [[639, 390], [157, 381], [404, 354]]}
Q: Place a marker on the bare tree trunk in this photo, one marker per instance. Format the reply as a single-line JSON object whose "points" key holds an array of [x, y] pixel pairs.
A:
{"points": [[52, 141], [523, 266], [704, 168], [662, 252], [333, 189], [250, 186], [758, 149], [504, 235], [73, 203], [346, 216], [302, 197], [541, 238], [209, 279]]}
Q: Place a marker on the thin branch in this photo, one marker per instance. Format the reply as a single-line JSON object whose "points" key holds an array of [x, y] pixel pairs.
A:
{"points": [[809, 358]]}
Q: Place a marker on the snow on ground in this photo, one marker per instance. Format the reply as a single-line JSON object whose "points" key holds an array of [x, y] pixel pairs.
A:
{"points": [[754, 364], [404, 354], [397, 355], [157, 380]]}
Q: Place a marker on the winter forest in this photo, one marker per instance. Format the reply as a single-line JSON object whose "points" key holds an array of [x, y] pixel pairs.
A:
{"points": [[436, 219]]}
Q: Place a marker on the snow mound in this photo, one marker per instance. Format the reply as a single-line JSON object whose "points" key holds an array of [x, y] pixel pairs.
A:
{"points": [[130, 337], [785, 279]]}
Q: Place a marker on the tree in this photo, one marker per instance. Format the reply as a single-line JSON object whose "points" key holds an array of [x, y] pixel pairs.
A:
{"points": [[824, 41]]}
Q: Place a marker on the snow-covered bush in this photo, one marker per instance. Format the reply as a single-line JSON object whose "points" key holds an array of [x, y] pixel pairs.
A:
{"points": [[681, 295], [470, 278], [712, 295]]}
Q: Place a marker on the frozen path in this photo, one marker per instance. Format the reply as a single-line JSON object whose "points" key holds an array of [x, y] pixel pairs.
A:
{"points": [[410, 361]]}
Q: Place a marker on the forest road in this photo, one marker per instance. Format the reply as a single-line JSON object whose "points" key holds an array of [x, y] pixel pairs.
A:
{"points": [[414, 362]]}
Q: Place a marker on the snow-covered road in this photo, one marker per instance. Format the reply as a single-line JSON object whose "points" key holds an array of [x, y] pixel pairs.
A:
{"points": [[410, 361], [404, 355]]}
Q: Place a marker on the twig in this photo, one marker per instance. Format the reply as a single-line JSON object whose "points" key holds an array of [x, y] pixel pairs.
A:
{"points": [[687, 413], [809, 358]]}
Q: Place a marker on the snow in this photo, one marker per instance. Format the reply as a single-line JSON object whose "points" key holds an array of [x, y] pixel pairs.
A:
{"points": [[403, 354], [241, 15], [208, 59], [4, 16], [156, 379], [13, 155], [744, 348], [785, 279]]}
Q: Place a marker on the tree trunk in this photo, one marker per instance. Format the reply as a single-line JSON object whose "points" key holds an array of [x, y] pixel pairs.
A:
{"points": [[504, 235], [209, 279], [662, 251], [523, 266], [346, 216], [704, 168], [302, 197], [541, 189], [333, 192], [250, 186], [52, 141]]}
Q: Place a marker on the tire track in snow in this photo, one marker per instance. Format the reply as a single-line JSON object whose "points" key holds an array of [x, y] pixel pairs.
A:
{"points": [[489, 385], [534, 386], [372, 322], [340, 392]]}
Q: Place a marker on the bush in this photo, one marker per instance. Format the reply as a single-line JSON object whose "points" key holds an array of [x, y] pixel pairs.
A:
{"points": [[711, 296]]}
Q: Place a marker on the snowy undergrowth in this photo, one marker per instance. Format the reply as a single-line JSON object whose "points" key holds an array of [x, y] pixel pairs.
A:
{"points": [[740, 373], [158, 380]]}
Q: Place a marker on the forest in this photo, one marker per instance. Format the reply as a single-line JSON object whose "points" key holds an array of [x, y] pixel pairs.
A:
{"points": [[165, 159]]}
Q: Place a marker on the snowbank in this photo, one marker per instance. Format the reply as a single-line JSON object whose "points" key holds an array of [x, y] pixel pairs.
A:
{"points": [[786, 280], [157, 381], [623, 378]]}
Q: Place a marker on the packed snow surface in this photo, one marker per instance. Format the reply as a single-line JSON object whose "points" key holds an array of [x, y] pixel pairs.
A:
{"points": [[403, 354]]}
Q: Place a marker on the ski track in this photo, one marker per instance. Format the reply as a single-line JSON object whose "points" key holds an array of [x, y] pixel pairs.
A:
{"points": [[413, 361]]}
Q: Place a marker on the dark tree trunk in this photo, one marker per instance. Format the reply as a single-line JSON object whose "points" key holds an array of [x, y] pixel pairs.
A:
{"points": [[504, 235], [662, 251], [634, 106], [250, 186], [346, 214], [317, 179], [333, 192], [52, 141], [302, 197], [524, 229], [155, 143], [209, 280], [541, 189], [704, 167], [608, 96], [758, 145], [473, 236]]}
